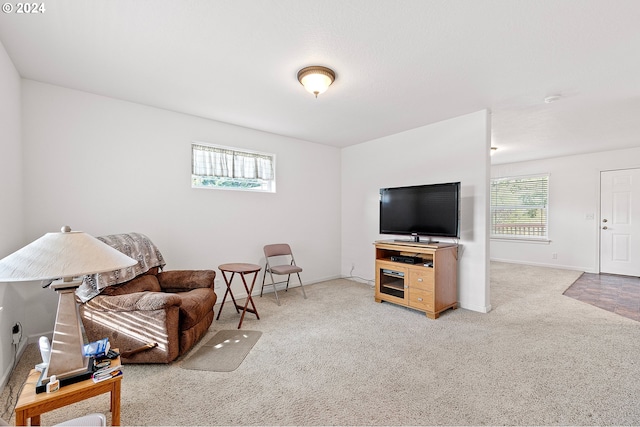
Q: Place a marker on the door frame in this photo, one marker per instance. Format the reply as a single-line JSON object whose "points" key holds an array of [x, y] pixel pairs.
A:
{"points": [[599, 214]]}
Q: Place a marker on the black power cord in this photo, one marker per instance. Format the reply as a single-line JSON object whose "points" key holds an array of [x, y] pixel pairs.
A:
{"points": [[10, 404]]}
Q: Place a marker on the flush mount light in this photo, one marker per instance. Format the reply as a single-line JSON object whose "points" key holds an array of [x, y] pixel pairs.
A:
{"points": [[552, 98], [316, 79]]}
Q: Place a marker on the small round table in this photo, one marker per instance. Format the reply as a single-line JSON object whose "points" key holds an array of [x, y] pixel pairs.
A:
{"points": [[242, 269]]}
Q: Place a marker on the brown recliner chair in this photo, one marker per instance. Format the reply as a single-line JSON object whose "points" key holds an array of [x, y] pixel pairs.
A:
{"points": [[172, 309]]}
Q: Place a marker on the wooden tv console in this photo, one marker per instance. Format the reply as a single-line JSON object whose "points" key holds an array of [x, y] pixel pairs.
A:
{"points": [[429, 285]]}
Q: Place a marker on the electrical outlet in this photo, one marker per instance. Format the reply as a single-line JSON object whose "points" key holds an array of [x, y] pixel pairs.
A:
{"points": [[16, 330], [554, 256]]}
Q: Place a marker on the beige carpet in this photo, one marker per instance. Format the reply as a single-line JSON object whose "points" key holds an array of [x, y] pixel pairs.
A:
{"points": [[339, 358], [224, 352]]}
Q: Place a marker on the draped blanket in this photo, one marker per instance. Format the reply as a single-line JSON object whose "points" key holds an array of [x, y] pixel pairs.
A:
{"points": [[137, 246]]}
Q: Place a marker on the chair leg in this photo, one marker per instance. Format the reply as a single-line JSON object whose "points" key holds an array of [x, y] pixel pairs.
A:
{"points": [[263, 276], [288, 278], [273, 282], [303, 292]]}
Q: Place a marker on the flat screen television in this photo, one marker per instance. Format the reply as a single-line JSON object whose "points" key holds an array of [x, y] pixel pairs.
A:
{"points": [[422, 210]]}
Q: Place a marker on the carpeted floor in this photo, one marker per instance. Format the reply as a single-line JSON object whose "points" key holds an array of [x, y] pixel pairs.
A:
{"points": [[339, 358]]}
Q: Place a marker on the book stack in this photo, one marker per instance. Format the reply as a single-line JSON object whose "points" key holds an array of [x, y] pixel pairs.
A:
{"points": [[101, 354], [106, 373], [97, 349]]}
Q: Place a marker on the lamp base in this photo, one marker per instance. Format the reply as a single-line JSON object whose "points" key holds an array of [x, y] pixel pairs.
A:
{"points": [[41, 386], [67, 358]]}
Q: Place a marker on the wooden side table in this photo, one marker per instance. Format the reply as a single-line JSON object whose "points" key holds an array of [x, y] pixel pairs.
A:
{"points": [[242, 269], [31, 405]]}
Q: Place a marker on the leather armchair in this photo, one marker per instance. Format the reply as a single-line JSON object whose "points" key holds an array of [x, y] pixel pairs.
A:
{"points": [[172, 309]]}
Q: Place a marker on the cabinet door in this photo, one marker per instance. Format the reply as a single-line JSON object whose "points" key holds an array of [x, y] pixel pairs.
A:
{"points": [[391, 282]]}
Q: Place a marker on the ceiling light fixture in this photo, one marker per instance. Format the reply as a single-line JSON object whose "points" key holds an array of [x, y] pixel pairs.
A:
{"points": [[316, 79]]}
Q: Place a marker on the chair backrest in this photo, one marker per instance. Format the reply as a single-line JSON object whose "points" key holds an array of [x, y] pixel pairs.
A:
{"points": [[277, 249]]}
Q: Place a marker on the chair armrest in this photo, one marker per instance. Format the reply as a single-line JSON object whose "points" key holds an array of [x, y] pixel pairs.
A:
{"points": [[137, 301], [185, 280]]}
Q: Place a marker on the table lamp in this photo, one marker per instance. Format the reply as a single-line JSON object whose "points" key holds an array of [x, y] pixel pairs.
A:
{"points": [[63, 257]]}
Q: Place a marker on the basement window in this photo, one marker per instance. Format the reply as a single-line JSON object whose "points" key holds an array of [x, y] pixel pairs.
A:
{"points": [[519, 207], [227, 168]]}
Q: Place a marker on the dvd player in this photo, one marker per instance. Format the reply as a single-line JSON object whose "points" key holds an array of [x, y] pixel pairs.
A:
{"points": [[406, 259]]}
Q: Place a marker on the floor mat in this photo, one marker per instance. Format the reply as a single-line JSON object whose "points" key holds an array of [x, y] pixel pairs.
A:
{"points": [[224, 352]]}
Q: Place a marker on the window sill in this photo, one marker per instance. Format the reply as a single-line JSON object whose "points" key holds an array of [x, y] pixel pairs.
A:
{"points": [[251, 190], [517, 240]]}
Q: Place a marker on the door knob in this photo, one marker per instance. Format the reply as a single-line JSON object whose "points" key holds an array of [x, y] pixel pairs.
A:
{"points": [[605, 228], [605, 220]]}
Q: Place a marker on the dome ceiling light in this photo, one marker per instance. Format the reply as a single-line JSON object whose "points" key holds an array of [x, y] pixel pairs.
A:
{"points": [[316, 79]]}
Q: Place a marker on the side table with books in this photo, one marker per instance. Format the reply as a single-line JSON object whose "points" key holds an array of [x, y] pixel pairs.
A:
{"points": [[31, 405]]}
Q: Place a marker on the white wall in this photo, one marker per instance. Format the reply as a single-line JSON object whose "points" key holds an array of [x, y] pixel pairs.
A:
{"points": [[574, 195], [106, 166], [448, 151], [11, 236]]}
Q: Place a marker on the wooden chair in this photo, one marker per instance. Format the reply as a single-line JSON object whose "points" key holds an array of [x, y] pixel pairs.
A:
{"points": [[280, 250]]}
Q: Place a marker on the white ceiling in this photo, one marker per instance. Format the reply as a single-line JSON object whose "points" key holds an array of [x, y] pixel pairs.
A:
{"points": [[400, 64]]}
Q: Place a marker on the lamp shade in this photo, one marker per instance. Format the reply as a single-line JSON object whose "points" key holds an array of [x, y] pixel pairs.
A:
{"points": [[65, 254]]}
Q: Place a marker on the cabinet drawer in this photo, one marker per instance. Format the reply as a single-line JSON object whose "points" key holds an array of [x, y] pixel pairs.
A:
{"points": [[420, 299], [421, 279]]}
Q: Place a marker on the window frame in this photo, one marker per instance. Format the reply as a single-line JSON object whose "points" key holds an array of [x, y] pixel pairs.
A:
{"points": [[268, 186], [521, 237]]}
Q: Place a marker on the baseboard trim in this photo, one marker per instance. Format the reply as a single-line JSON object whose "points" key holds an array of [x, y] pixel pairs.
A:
{"points": [[370, 282], [7, 374], [476, 308], [268, 289], [541, 264]]}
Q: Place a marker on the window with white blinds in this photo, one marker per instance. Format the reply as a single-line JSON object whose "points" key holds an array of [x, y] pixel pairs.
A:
{"points": [[519, 207], [214, 166]]}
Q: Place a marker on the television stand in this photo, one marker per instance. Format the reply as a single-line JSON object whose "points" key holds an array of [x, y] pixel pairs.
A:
{"points": [[429, 286]]}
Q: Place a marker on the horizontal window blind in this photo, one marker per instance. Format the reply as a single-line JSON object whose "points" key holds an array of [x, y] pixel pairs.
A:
{"points": [[519, 207]]}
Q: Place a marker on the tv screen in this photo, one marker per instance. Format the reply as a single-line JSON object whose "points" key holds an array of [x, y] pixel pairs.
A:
{"points": [[422, 210]]}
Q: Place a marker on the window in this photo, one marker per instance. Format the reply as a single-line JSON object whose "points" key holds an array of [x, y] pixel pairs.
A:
{"points": [[519, 207], [228, 168]]}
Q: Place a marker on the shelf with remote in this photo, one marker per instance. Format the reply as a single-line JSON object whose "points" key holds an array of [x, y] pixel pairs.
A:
{"points": [[421, 277]]}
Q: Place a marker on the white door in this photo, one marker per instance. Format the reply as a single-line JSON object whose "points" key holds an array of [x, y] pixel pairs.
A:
{"points": [[620, 222]]}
